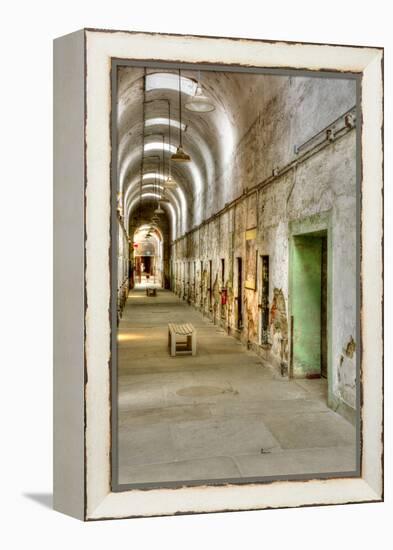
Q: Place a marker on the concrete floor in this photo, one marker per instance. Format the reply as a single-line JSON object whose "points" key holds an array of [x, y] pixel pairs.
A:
{"points": [[222, 414]]}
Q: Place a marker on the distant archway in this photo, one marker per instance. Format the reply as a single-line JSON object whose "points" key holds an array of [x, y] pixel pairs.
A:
{"points": [[148, 256]]}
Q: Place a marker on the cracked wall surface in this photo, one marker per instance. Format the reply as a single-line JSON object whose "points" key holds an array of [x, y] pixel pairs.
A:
{"points": [[323, 182]]}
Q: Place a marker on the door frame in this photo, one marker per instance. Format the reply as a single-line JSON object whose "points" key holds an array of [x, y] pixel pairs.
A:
{"points": [[239, 291], [308, 225], [260, 288]]}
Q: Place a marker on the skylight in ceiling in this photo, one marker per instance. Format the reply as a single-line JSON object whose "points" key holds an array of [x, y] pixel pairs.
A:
{"points": [[153, 175], [157, 146], [169, 81], [160, 121]]}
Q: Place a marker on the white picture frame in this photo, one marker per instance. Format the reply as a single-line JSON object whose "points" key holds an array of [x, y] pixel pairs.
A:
{"points": [[82, 173]]}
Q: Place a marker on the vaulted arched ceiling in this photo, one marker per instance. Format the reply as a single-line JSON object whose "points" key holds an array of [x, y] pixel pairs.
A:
{"points": [[215, 174], [209, 139]]}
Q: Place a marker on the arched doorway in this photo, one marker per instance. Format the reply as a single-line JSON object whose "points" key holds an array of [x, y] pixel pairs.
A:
{"points": [[148, 256]]}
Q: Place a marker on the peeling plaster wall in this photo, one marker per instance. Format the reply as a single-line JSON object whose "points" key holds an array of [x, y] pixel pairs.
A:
{"points": [[286, 111], [324, 184]]}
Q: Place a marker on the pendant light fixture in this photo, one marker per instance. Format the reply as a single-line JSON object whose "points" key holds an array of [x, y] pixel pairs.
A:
{"points": [[142, 166], [159, 210], [156, 188], [180, 155], [164, 197], [200, 103], [169, 183]]}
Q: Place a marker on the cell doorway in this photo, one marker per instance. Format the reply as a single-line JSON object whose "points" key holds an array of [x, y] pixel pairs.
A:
{"points": [[309, 312]]}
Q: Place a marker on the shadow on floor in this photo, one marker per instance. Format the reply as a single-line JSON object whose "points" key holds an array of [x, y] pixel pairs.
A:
{"points": [[45, 499]]}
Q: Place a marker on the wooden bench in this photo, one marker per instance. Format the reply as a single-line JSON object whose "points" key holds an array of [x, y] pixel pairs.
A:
{"points": [[176, 331], [151, 291]]}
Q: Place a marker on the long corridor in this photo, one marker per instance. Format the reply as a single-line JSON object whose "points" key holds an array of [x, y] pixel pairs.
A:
{"points": [[224, 413]]}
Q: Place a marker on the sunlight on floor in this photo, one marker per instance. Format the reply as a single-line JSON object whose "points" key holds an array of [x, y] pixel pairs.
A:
{"points": [[225, 413], [127, 337]]}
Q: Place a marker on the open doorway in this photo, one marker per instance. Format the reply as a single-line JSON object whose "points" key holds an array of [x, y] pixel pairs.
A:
{"points": [[265, 289], [239, 293], [148, 256], [309, 313], [210, 285]]}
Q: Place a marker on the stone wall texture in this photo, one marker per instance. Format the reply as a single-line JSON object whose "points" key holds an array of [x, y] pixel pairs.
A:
{"points": [[269, 192]]}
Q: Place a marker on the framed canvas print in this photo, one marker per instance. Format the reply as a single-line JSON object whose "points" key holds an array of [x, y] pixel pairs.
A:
{"points": [[218, 274]]}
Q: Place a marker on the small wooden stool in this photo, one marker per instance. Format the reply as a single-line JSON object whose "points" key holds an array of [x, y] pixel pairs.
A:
{"points": [[186, 331], [151, 291]]}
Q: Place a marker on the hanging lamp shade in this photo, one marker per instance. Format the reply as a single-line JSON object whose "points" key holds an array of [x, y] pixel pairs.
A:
{"points": [[159, 210], [180, 155], [164, 198], [200, 103], [170, 183]]}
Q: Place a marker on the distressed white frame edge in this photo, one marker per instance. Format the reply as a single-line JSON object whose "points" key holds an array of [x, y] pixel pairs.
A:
{"points": [[101, 46], [68, 274]]}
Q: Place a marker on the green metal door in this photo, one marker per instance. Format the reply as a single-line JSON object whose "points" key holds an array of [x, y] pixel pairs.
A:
{"points": [[306, 305]]}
